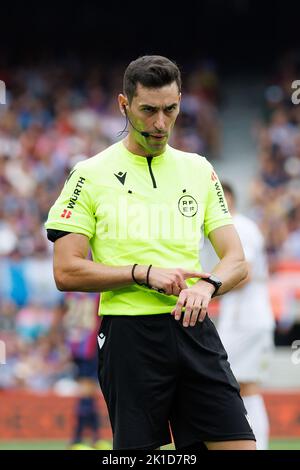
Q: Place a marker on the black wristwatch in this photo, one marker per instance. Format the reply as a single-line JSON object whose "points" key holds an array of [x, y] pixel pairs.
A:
{"points": [[215, 281]]}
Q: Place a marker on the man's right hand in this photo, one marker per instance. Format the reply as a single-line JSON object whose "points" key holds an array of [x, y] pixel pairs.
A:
{"points": [[171, 281]]}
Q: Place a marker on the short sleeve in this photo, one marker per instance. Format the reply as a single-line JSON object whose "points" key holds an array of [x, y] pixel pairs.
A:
{"points": [[216, 212], [73, 210]]}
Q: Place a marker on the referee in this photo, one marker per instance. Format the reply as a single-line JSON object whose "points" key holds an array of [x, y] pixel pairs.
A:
{"points": [[143, 207]]}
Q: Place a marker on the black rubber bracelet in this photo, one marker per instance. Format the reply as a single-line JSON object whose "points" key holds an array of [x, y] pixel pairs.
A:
{"points": [[147, 278], [134, 279], [161, 291]]}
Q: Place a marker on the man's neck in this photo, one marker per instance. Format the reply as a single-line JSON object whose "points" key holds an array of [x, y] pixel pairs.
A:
{"points": [[133, 147]]}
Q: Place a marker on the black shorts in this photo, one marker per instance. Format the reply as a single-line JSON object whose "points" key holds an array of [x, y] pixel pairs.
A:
{"points": [[156, 374]]}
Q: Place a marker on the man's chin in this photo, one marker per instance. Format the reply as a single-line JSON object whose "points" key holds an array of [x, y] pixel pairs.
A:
{"points": [[158, 148]]}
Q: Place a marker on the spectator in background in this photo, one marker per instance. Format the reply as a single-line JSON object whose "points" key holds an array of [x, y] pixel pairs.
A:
{"points": [[80, 326], [291, 247], [275, 193], [246, 322]]}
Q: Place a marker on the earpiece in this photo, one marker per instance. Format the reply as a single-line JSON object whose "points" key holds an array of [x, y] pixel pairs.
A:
{"points": [[143, 133]]}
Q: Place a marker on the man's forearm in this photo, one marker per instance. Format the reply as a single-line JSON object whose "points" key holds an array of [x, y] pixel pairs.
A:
{"points": [[87, 276], [231, 272], [246, 279]]}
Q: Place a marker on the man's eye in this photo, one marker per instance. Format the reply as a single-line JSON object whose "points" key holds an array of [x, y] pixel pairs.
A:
{"points": [[169, 109], [148, 110]]}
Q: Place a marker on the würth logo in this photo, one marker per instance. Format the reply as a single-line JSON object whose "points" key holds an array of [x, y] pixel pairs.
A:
{"points": [[121, 176], [76, 193], [221, 198], [66, 214]]}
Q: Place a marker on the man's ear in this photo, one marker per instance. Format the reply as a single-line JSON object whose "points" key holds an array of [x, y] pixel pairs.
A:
{"points": [[122, 100]]}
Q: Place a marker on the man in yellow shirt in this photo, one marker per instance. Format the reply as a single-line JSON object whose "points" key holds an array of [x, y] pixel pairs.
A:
{"points": [[142, 207]]}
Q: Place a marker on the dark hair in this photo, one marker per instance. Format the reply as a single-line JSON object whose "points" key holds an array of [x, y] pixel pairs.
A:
{"points": [[151, 71], [227, 188]]}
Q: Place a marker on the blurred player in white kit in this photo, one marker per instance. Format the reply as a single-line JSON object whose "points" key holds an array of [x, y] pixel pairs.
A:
{"points": [[246, 323]]}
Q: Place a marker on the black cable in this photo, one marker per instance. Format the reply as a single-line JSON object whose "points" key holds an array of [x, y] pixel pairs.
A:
{"points": [[125, 128]]}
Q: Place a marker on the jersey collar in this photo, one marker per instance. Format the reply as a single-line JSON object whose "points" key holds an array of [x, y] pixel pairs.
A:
{"points": [[138, 159]]}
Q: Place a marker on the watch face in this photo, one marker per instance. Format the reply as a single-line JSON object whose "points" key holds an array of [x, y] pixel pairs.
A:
{"points": [[215, 280]]}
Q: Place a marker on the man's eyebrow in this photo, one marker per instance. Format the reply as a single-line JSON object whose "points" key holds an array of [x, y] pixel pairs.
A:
{"points": [[145, 105]]}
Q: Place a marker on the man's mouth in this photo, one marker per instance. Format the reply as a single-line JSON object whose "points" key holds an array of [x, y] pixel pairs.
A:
{"points": [[158, 136]]}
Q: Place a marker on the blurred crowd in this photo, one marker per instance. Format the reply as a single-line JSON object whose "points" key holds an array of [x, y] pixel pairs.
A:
{"points": [[275, 193], [54, 116]]}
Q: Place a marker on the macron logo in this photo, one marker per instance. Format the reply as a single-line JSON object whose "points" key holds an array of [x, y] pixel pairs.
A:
{"points": [[121, 176], [101, 340]]}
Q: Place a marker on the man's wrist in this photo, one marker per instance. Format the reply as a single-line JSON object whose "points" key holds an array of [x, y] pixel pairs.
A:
{"points": [[214, 281], [140, 273], [209, 287]]}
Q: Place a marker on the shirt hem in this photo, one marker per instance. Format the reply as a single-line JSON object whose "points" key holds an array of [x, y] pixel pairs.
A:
{"points": [[133, 314], [69, 228]]}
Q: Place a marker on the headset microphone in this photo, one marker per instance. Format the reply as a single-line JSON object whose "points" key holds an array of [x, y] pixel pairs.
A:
{"points": [[143, 133]]}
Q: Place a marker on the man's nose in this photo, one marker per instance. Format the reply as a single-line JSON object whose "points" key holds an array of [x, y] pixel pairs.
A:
{"points": [[160, 123]]}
